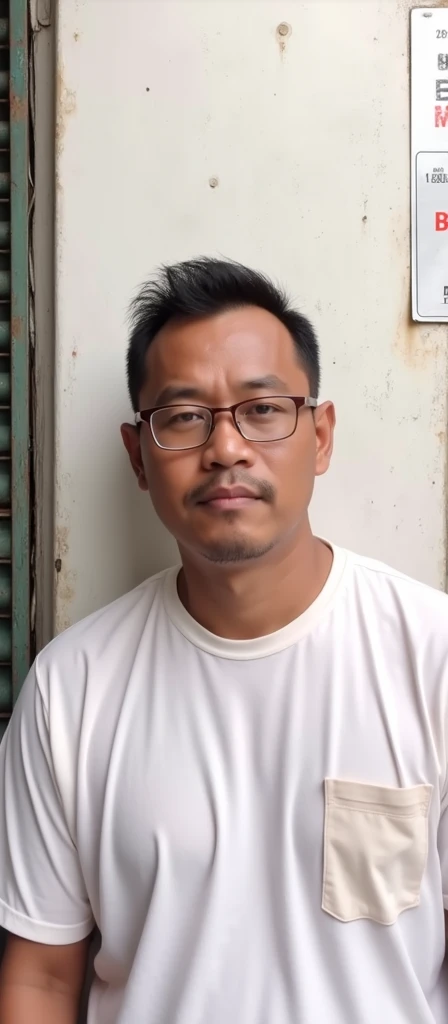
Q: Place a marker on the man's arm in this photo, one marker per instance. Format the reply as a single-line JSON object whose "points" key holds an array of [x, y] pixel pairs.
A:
{"points": [[43, 897], [41, 984]]}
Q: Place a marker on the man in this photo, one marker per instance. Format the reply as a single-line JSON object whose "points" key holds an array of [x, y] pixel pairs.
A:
{"points": [[238, 771]]}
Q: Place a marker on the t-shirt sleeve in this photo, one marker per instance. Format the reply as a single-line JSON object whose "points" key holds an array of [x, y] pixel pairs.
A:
{"points": [[42, 892]]}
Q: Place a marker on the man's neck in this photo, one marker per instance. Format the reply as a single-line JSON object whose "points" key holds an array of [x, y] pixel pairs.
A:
{"points": [[255, 598]]}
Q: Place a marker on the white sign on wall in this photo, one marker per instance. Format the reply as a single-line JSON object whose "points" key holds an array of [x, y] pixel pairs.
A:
{"points": [[429, 181]]}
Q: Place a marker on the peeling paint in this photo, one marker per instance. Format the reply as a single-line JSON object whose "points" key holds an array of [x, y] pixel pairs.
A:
{"points": [[40, 14], [65, 583], [19, 108], [61, 540], [65, 107], [17, 326], [414, 343], [407, 336]]}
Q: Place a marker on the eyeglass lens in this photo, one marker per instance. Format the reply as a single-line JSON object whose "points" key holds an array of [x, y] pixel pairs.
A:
{"points": [[188, 426]]}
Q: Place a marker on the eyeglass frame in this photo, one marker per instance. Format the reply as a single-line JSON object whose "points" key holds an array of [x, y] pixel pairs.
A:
{"points": [[145, 416]]}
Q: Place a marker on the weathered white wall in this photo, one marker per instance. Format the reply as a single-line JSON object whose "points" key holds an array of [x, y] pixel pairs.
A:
{"points": [[308, 138]]}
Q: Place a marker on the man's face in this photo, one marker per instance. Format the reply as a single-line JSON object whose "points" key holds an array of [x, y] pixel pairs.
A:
{"points": [[217, 362]]}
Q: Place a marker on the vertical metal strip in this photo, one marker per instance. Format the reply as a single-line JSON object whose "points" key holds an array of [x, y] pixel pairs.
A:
{"points": [[20, 389]]}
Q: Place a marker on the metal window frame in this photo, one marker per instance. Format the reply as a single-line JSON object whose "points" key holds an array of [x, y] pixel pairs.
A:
{"points": [[20, 371]]}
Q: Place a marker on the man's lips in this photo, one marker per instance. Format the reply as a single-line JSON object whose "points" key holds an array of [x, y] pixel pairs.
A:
{"points": [[229, 498]]}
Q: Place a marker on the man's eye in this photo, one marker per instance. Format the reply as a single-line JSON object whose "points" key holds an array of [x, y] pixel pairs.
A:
{"points": [[262, 409]]}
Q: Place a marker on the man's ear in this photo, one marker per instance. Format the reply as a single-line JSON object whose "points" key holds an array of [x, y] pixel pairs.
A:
{"points": [[131, 441], [324, 422]]}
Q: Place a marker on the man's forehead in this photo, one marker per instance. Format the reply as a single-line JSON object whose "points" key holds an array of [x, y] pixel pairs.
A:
{"points": [[239, 349], [247, 334]]}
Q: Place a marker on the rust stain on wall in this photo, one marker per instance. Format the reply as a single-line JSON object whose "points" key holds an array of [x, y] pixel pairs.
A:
{"points": [[19, 108], [17, 326], [72, 368], [415, 343], [283, 33], [405, 6]]}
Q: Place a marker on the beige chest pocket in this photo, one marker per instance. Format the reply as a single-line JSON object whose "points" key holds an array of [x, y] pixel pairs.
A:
{"points": [[375, 849]]}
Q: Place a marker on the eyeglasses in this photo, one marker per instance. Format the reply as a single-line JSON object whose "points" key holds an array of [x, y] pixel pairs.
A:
{"points": [[179, 427]]}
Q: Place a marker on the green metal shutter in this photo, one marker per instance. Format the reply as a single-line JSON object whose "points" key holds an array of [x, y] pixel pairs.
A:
{"points": [[14, 356]]}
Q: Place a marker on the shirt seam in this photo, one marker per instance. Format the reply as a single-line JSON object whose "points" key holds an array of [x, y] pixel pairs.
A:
{"points": [[392, 573], [47, 924]]}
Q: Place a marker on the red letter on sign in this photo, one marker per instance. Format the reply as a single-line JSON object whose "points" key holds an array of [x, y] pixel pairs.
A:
{"points": [[441, 117], [441, 221]]}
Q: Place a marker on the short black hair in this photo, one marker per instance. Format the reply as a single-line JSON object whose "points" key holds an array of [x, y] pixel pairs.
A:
{"points": [[205, 287]]}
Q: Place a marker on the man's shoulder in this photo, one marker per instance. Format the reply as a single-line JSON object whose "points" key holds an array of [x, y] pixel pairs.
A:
{"points": [[394, 590], [120, 622]]}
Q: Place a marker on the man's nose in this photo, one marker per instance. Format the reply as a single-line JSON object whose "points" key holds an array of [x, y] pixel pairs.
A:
{"points": [[226, 446]]}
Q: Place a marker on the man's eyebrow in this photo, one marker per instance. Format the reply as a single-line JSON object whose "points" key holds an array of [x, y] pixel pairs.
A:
{"points": [[177, 392], [269, 383], [186, 392]]}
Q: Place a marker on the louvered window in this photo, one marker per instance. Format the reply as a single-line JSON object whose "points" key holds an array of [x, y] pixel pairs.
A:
{"points": [[14, 356]]}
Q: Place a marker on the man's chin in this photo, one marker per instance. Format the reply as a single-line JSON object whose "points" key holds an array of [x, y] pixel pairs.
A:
{"points": [[232, 553]]}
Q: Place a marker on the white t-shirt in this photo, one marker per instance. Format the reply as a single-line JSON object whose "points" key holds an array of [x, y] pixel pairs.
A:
{"points": [[258, 827]]}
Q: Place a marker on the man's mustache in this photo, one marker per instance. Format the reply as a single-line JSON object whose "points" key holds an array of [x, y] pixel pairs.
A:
{"points": [[261, 488]]}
